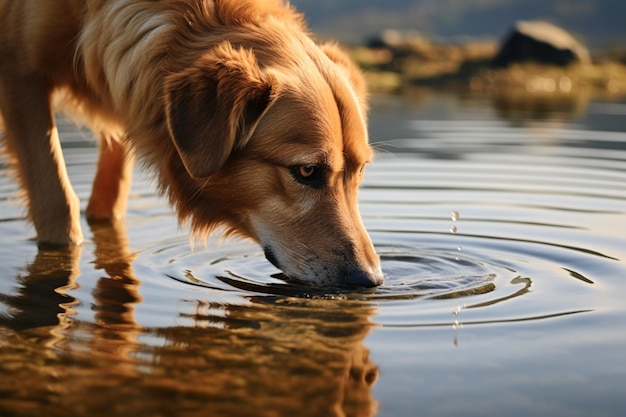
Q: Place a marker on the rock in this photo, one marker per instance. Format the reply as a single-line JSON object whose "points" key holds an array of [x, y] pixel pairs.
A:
{"points": [[541, 42], [395, 39]]}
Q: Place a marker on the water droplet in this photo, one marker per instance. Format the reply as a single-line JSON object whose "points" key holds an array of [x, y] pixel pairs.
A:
{"points": [[455, 215], [460, 248], [453, 229]]}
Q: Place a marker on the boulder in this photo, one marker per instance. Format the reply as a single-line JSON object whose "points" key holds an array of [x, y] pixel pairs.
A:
{"points": [[541, 42]]}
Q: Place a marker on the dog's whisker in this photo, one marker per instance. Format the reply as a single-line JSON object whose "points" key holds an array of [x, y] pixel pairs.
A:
{"points": [[382, 147]]}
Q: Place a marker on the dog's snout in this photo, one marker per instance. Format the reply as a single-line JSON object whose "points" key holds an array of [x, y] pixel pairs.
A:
{"points": [[358, 278], [351, 278]]}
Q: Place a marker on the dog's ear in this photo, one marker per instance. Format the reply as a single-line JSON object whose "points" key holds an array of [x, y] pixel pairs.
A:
{"points": [[214, 106], [352, 72]]}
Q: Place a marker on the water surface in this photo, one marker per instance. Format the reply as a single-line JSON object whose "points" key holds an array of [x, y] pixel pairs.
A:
{"points": [[502, 236]]}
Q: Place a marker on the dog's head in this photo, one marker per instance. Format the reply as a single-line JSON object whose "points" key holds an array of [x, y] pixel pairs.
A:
{"points": [[276, 152]]}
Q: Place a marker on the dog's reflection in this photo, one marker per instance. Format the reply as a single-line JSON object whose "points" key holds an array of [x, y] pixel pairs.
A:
{"points": [[40, 299], [306, 355], [117, 293], [264, 356], [42, 303]]}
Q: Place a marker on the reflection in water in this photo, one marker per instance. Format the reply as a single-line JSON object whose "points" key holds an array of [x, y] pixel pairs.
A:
{"points": [[283, 356], [556, 107], [265, 356], [115, 296], [40, 300], [541, 203]]}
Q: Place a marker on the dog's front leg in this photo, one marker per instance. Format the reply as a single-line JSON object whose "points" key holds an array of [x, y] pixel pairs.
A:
{"points": [[112, 182], [32, 138]]}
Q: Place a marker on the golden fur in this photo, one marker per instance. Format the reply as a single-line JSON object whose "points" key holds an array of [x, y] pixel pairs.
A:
{"points": [[246, 121]]}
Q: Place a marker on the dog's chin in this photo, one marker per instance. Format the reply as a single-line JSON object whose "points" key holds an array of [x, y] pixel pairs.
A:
{"points": [[352, 279]]}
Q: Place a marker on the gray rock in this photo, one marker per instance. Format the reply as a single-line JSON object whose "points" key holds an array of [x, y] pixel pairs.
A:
{"points": [[541, 42]]}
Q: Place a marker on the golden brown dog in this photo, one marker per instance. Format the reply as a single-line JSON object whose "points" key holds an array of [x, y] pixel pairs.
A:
{"points": [[245, 120]]}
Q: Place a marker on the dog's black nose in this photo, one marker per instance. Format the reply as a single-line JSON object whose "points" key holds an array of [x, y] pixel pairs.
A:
{"points": [[357, 278]]}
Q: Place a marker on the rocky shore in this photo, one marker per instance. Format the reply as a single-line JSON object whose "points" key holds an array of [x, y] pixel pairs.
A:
{"points": [[533, 58]]}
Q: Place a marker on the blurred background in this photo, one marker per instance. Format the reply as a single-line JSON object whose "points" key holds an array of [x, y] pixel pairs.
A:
{"points": [[564, 46], [600, 23]]}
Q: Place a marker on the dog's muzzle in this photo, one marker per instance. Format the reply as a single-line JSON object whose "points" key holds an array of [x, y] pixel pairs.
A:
{"points": [[350, 279]]}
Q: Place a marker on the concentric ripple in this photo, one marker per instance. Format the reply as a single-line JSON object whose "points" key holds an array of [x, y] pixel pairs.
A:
{"points": [[506, 220], [436, 275], [499, 214], [242, 268]]}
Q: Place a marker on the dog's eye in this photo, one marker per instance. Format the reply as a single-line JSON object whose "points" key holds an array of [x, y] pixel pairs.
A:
{"points": [[308, 174], [306, 171]]}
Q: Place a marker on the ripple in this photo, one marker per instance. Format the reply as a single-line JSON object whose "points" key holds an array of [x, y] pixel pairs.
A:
{"points": [[536, 210], [238, 267], [241, 268], [436, 275]]}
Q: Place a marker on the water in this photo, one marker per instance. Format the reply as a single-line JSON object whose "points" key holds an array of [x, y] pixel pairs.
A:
{"points": [[502, 236]]}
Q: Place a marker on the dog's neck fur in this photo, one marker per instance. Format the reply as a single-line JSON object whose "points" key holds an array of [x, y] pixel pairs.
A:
{"points": [[136, 36], [127, 47]]}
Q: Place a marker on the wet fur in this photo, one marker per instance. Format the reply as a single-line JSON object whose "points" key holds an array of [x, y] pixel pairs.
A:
{"points": [[220, 98]]}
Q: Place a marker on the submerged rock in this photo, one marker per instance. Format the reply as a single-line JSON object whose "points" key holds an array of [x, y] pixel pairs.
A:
{"points": [[541, 42]]}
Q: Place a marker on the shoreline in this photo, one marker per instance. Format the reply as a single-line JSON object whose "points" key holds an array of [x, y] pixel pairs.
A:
{"points": [[421, 63]]}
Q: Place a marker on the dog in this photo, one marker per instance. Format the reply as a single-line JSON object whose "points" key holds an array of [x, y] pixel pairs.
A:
{"points": [[246, 121]]}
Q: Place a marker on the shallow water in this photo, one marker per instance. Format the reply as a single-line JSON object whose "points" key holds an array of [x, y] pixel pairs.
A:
{"points": [[502, 236]]}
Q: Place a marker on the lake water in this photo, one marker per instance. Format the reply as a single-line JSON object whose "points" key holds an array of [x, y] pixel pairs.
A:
{"points": [[502, 232]]}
